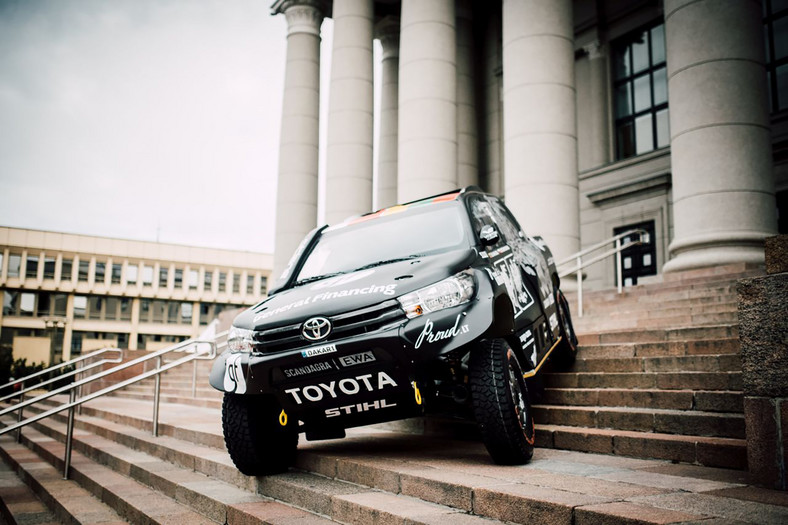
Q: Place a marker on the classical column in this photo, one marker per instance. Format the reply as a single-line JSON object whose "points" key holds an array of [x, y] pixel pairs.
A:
{"points": [[387, 31], [599, 138], [721, 156], [467, 138], [427, 99], [350, 108], [493, 150], [540, 137], [296, 195]]}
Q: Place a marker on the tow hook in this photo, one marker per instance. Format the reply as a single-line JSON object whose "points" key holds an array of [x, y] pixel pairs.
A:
{"points": [[283, 418], [416, 392]]}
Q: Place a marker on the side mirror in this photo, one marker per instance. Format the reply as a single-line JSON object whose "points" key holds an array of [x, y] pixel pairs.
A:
{"points": [[489, 235]]}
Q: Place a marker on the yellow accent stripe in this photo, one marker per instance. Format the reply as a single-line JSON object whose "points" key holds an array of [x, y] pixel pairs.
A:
{"points": [[536, 370]]}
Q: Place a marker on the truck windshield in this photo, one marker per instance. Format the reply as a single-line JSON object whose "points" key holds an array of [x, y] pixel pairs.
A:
{"points": [[432, 229]]}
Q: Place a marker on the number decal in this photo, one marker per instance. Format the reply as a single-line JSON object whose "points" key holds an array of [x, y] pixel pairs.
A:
{"points": [[234, 380]]}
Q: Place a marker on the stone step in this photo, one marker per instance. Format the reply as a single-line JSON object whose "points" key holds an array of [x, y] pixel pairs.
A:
{"points": [[64, 500], [596, 337], [385, 477], [662, 348], [703, 400], [18, 503], [662, 421], [691, 363], [647, 380], [640, 311], [145, 488], [605, 323], [708, 451], [165, 398]]}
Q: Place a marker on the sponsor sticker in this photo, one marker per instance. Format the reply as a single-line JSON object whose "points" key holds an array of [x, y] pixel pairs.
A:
{"points": [[312, 368], [319, 350], [234, 380], [356, 359], [428, 335], [359, 407], [348, 386]]}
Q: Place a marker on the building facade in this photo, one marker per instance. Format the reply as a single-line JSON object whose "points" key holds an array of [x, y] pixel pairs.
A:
{"points": [[65, 294], [589, 116]]}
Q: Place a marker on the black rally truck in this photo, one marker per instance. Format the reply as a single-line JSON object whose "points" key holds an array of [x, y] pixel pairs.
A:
{"points": [[439, 305]]}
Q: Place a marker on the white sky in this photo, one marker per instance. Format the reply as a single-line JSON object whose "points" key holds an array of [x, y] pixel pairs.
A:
{"points": [[143, 119]]}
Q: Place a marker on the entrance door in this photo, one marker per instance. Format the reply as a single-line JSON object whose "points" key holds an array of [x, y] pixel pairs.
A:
{"points": [[641, 260]]}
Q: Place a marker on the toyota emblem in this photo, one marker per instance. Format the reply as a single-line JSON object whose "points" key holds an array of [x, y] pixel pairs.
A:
{"points": [[316, 328]]}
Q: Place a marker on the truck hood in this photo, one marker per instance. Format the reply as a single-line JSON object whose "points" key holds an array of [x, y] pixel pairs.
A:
{"points": [[354, 290]]}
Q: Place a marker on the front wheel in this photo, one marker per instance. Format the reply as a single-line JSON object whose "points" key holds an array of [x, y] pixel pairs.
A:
{"points": [[501, 404], [256, 440]]}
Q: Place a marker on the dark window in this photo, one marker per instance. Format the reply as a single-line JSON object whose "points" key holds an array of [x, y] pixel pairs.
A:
{"points": [[775, 22], [236, 282], [641, 260], [178, 278], [782, 211], [250, 284], [84, 269], [173, 309], [95, 307], [101, 270], [31, 266], [145, 309], [263, 285], [60, 300], [640, 92], [125, 309], [207, 280], [66, 267], [117, 271], [44, 304], [222, 282], [112, 309], [49, 267], [206, 313], [159, 307], [163, 277]]}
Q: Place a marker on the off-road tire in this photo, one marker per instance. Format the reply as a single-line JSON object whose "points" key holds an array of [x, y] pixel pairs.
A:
{"points": [[501, 404], [566, 352], [258, 444]]}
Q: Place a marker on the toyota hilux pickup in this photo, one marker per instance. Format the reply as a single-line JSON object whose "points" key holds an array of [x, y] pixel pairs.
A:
{"points": [[442, 305]]}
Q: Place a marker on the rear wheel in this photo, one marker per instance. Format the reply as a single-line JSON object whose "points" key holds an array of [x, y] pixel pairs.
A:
{"points": [[258, 444], [501, 404], [566, 353]]}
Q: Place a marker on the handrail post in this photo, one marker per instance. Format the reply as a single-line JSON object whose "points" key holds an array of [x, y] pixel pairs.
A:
{"points": [[194, 378], [156, 396], [579, 286], [19, 415], [619, 275], [69, 433]]}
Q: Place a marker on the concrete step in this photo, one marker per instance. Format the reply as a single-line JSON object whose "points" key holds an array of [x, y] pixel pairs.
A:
{"points": [[166, 398], [703, 400], [647, 380], [66, 501], [605, 322], [596, 337], [691, 363], [18, 503], [662, 348], [145, 488], [708, 451], [385, 477], [663, 421]]}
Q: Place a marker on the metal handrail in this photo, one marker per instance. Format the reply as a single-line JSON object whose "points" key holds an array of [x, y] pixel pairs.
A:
{"points": [[58, 366], [73, 387], [637, 235]]}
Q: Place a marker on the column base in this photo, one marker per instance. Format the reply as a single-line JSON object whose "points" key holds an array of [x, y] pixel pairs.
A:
{"points": [[715, 250]]}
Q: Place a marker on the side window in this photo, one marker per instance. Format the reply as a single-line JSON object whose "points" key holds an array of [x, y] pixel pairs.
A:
{"points": [[506, 223]]}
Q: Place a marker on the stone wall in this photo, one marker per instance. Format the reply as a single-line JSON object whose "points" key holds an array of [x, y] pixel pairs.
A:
{"points": [[763, 318]]}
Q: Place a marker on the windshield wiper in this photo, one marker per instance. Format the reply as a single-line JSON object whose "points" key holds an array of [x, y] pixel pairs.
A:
{"points": [[389, 261], [316, 278]]}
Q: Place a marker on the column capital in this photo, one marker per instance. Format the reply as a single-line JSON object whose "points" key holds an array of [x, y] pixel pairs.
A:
{"points": [[595, 50], [303, 16], [387, 31]]}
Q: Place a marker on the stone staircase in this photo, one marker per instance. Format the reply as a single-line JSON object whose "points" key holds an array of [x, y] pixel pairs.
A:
{"points": [[658, 373], [627, 436], [122, 474]]}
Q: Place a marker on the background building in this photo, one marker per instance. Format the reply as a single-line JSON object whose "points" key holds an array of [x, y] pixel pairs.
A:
{"points": [[64, 294], [588, 116]]}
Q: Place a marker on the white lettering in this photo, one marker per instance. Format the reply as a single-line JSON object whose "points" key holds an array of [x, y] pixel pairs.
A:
{"points": [[357, 359], [234, 380], [430, 337], [348, 386], [358, 408]]}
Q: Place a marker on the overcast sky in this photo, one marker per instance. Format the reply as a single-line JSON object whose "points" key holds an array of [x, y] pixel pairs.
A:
{"points": [[143, 119]]}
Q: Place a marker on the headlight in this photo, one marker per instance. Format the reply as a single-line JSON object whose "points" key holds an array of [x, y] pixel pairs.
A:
{"points": [[240, 340], [453, 291]]}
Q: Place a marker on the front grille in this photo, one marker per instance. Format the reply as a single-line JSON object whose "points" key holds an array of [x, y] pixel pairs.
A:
{"points": [[344, 325]]}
